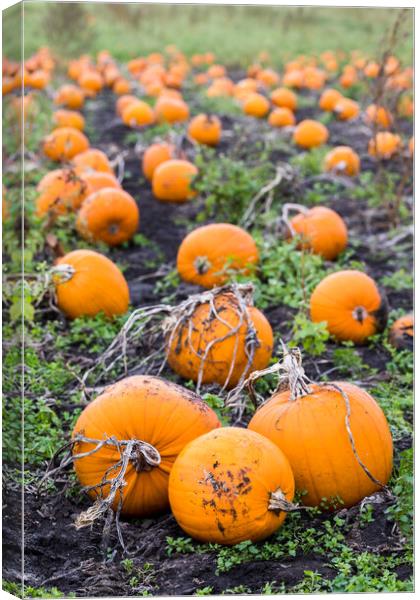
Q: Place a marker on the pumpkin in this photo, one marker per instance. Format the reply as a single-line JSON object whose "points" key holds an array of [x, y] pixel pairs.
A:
{"points": [[256, 105], [171, 110], [121, 86], [122, 103], [411, 146], [401, 333], [209, 253], [223, 487], [148, 409], [216, 71], [64, 143], [69, 118], [342, 159], [405, 107], [155, 155], [310, 134], [87, 283], [109, 215], [281, 117], [351, 305], [93, 159], [91, 81], [384, 145], [205, 129], [39, 79], [137, 114], [313, 78], [268, 77], [347, 109], [371, 70], [329, 99], [171, 180], [70, 95], [348, 77], [60, 191], [378, 115], [212, 347], [293, 78], [310, 428], [96, 180], [321, 230]]}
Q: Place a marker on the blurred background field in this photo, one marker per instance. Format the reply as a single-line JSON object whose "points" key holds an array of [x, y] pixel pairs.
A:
{"points": [[235, 33]]}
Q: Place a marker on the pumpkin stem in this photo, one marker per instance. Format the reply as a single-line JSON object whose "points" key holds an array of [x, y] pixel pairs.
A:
{"points": [[113, 228], [62, 273], [202, 265], [287, 208], [360, 314], [278, 503]]}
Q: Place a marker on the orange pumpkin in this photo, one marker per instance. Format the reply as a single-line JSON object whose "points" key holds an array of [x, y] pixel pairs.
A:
{"points": [[121, 86], [268, 77], [384, 145], [209, 253], [172, 180], [281, 117], [378, 115], [88, 283], [122, 103], [205, 129], [64, 143], [69, 118], [137, 114], [60, 191], [109, 215], [97, 180], [293, 78], [401, 333], [342, 159], [351, 304], [347, 109], [216, 71], [405, 106], [70, 95], [310, 428], [284, 98], [39, 79], [90, 81], [155, 155], [310, 134], [223, 485], [256, 105], [411, 146], [171, 110], [148, 409], [371, 70], [329, 99], [321, 230], [93, 159], [213, 343]]}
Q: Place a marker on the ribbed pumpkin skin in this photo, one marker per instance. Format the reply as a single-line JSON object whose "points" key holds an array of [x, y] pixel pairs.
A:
{"points": [[312, 434], [336, 299], [220, 485], [97, 285], [206, 253], [322, 230], [149, 409], [109, 215], [184, 356], [64, 143]]}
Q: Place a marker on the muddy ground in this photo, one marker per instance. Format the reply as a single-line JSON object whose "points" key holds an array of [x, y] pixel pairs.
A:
{"points": [[55, 553]]}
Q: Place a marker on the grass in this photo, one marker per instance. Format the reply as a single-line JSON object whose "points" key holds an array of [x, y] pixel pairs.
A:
{"points": [[235, 33]]}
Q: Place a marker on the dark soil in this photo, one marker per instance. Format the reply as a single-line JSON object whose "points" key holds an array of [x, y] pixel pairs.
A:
{"points": [[56, 554]]}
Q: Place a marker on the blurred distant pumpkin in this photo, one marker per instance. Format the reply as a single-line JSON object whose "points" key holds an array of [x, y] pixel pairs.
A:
{"points": [[70, 95], [309, 134], [329, 99], [284, 98], [88, 283], [346, 109], [207, 254], [384, 145], [122, 103], [321, 230], [64, 143], [171, 110], [121, 86], [171, 180], [401, 333], [159, 413], [256, 105], [281, 117], [93, 159], [137, 114], [205, 129], [215, 342], [69, 118], [154, 155], [378, 115], [342, 159], [97, 180], [351, 304], [109, 215], [223, 487]]}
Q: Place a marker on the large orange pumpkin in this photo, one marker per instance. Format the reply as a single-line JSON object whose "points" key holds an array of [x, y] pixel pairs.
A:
{"points": [[97, 180], [70, 95], [93, 159], [148, 409], [209, 253], [342, 159], [155, 155], [171, 180], [214, 342], [171, 110], [310, 428], [109, 215], [88, 283], [64, 143], [224, 485], [310, 134], [69, 118], [205, 129], [60, 191], [351, 305], [321, 230], [255, 105]]}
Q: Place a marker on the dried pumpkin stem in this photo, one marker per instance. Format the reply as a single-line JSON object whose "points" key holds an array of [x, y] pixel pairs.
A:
{"points": [[288, 208], [62, 273], [278, 503]]}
